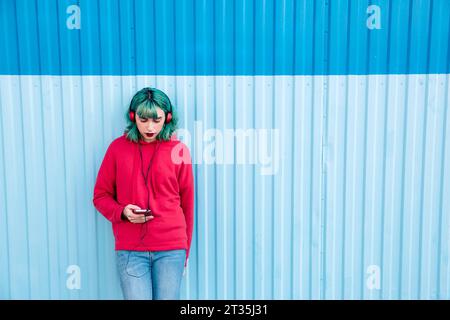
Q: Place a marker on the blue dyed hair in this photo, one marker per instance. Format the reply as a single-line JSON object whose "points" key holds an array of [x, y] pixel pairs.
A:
{"points": [[145, 107]]}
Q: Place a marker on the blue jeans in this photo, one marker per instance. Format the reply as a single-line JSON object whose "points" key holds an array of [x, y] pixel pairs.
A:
{"points": [[147, 275]]}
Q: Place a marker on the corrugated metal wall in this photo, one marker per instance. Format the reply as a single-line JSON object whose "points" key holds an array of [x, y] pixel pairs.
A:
{"points": [[344, 105]]}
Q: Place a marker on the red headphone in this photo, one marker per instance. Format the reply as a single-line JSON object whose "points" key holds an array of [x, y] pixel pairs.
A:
{"points": [[168, 117], [132, 116]]}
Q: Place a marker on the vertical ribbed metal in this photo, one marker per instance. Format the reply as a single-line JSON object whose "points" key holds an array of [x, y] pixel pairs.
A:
{"points": [[360, 194]]}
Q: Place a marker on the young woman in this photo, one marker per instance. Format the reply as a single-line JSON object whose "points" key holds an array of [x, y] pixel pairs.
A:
{"points": [[145, 188]]}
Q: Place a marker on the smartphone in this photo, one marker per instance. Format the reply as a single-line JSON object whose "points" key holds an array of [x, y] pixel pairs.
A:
{"points": [[147, 212]]}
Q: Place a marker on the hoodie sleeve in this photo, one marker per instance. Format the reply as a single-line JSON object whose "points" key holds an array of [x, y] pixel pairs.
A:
{"points": [[186, 184], [105, 188]]}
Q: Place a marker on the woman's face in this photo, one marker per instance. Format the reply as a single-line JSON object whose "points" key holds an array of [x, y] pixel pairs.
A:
{"points": [[150, 128]]}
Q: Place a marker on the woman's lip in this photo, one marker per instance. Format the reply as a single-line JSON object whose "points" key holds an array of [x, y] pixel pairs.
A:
{"points": [[149, 134]]}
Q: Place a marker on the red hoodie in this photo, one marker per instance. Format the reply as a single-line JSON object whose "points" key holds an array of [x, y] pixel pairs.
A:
{"points": [[171, 187]]}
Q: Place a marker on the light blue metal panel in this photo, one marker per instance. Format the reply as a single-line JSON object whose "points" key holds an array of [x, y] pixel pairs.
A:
{"points": [[393, 186], [431, 187], [264, 203], [321, 148], [258, 217], [443, 282]]}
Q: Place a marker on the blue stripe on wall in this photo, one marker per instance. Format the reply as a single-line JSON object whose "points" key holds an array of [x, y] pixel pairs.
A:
{"points": [[224, 37]]}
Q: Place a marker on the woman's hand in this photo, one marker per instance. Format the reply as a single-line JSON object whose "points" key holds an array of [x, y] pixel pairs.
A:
{"points": [[133, 217]]}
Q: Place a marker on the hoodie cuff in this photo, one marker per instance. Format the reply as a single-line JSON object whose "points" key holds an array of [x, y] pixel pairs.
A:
{"points": [[117, 215]]}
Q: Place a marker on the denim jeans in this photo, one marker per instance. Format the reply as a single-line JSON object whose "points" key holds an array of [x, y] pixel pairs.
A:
{"points": [[147, 275]]}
